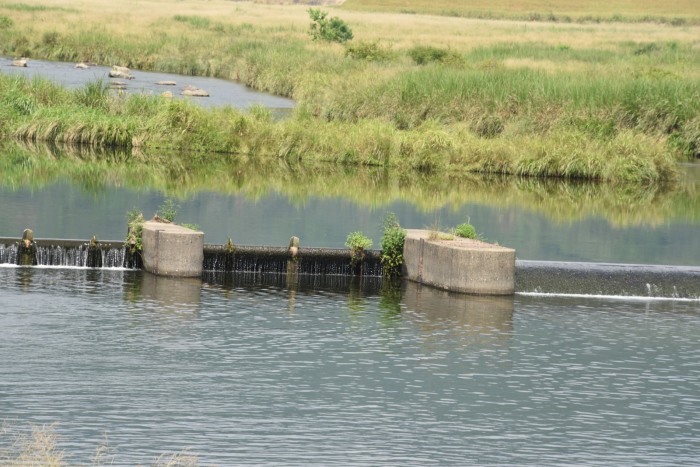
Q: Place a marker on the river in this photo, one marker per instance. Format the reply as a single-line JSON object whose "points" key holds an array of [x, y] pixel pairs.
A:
{"points": [[241, 369], [244, 370]]}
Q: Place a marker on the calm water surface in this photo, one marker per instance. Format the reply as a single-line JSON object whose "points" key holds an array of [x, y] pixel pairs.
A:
{"points": [[222, 92], [250, 370]]}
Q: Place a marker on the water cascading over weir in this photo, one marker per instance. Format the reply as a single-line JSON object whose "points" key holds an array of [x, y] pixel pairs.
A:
{"points": [[531, 277], [70, 253], [217, 258]]}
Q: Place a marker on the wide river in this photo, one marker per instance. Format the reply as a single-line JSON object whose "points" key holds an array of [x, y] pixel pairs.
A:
{"points": [[245, 369]]}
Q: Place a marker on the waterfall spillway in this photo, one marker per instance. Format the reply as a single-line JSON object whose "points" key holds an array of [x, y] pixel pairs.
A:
{"points": [[633, 280], [309, 261], [72, 253]]}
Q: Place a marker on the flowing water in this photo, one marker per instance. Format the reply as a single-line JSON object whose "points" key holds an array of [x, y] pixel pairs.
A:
{"points": [[324, 369], [221, 92], [246, 369]]}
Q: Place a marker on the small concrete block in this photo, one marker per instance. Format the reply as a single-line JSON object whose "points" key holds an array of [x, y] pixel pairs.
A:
{"points": [[172, 250], [459, 265]]}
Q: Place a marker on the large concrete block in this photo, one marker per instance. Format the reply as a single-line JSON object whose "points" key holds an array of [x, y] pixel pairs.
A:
{"points": [[459, 265], [172, 250]]}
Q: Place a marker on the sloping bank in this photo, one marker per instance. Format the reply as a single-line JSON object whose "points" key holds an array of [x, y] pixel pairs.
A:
{"points": [[39, 110]]}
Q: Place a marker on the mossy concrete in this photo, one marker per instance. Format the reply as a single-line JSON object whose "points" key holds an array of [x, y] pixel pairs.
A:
{"points": [[459, 264], [172, 250]]}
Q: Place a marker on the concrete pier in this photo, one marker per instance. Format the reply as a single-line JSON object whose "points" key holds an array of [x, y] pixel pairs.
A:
{"points": [[459, 264], [172, 250]]}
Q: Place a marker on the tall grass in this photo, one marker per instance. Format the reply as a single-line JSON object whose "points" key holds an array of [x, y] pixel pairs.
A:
{"points": [[570, 101]]}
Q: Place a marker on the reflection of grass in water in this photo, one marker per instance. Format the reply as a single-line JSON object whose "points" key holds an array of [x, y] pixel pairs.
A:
{"points": [[172, 173], [39, 446]]}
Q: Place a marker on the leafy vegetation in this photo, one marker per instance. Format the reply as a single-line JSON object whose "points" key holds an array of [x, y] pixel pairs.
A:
{"points": [[370, 51], [168, 210], [466, 230], [423, 55], [134, 236], [392, 246], [358, 241], [328, 29]]}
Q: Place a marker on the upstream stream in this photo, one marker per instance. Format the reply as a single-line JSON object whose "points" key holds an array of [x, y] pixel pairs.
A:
{"points": [[243, 369]]}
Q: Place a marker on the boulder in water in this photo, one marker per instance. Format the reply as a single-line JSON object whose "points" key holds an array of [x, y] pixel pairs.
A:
{"points": [[121, 72], [20, 62], [194, 91], [81, 66]]}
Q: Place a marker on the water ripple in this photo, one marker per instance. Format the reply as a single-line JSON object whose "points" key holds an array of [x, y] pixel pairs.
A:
{"points": [[265, 375]]}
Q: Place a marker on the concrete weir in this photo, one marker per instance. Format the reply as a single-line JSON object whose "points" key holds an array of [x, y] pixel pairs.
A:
{"points": [[172, 250], [459, 264]]}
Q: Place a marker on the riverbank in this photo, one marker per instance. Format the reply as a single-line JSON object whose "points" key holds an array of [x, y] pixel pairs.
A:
{"points": [[455, 95]]}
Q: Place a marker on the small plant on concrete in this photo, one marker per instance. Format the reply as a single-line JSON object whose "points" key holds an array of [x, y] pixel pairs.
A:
{"points": [[134, 222], [328, 29], [392, 246], [358, 243], [190, 226], [466, 230], [168, 210]]}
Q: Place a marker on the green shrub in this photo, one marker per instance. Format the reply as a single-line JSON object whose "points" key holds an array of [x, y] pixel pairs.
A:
{"points": [[424, 55], [392, 246], [134, 221], [370, 51], [328, 29], [358, 241], [466, 230], [168, 210]]}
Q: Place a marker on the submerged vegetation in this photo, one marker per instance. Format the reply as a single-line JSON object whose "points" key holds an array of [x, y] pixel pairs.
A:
{"points": [[577, 101], [29, 446]]}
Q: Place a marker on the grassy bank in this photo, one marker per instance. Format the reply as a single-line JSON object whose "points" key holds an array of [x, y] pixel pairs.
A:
{"points": [[610, 102]]}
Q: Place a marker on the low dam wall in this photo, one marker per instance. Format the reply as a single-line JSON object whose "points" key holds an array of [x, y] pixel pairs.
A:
{"points": [[459, 264], [332, 265], [640, 280]]}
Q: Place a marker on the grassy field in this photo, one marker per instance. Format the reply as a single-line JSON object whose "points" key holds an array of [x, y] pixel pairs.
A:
{"points": [[610, 101], [671, 11]]}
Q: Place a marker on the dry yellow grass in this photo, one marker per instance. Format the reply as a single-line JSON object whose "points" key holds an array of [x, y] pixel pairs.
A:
{"points": [[399, 30], [574, 8]]}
